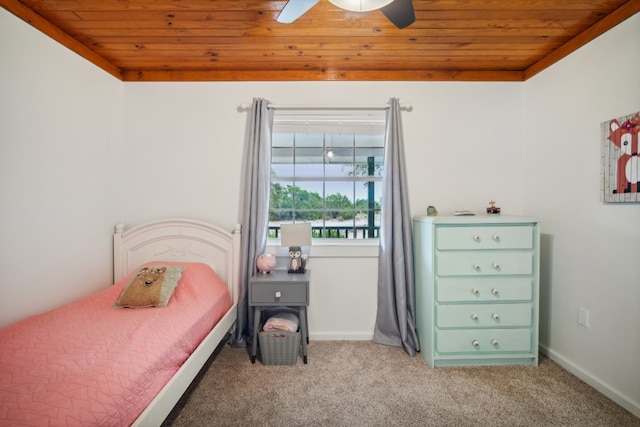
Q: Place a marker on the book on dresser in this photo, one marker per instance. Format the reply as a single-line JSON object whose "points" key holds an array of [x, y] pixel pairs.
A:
{"points": [[477, 289]]}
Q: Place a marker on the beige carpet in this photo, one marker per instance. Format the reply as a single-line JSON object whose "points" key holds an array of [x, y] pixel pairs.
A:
{"points": [[359, 383]]}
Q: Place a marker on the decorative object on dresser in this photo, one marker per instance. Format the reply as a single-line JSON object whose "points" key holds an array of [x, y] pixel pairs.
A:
{"points": [[266, 263], [477, 286], [296, 236], [493, 209]]}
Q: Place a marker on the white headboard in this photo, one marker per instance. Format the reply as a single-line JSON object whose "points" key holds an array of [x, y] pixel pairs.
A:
{"points": [[181, 240]]}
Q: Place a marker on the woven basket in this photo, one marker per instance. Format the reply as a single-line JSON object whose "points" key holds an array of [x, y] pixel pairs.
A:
{"points": [[279, 347]]}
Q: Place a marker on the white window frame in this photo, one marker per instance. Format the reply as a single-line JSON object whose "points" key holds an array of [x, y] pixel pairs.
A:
{"points": [[333, 122]]}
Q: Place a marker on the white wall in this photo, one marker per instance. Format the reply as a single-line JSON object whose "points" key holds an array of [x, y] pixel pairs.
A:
{"points": [[193, 134], [60, 141], [591, 255], [184, 145]]}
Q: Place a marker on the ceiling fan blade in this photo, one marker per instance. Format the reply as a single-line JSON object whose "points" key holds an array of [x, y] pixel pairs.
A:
{"points": [[294, 9], [400, 13]]}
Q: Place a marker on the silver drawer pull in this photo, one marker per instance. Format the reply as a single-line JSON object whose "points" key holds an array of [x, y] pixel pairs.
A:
{"points": [[495, 316], [476, 267], [494, 291], [474, 316], [277, 295], [476, 237], [496, 238], [475, 291], [494, 342], [496, 266], [475, 343]]}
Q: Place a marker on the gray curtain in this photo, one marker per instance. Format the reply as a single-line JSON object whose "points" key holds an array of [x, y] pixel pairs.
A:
{"points": [[255, 206], [395, 319]]}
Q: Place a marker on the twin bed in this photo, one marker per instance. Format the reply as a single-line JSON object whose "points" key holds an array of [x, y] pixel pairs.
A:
{"points": [[88, 363]]}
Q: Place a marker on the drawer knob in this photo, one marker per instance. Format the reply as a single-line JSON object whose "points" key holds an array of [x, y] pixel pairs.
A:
{"points": [[476, 267], [496, 266], [494, 342], [496, 316], [494, 291], [476, 237], [474, 316], [475, 291], [277, 295], [475, 343], [496, 238]]}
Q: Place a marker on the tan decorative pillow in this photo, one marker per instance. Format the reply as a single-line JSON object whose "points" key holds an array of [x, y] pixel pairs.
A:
{"points": [[151, 286]]}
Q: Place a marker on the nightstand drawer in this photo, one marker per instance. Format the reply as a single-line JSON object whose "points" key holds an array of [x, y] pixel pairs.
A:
{"points": [[489, 237], [483, 341], [468, 289], [484, 263], [483, 315], [278, 294]]}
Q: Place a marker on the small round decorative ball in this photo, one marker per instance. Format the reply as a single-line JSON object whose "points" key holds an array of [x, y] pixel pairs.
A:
{"points": [[266, 263]]}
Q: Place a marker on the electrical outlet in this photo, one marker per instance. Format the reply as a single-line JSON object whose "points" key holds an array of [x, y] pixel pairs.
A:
{"points": [[583, 317]]}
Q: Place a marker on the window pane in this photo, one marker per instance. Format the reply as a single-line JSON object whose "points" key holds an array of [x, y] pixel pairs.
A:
{"points": [[369, 161], [282, 161], [339, 194], [308, 200], [309, 139], [329, 232], [326, 173], [369, 140], [339, 162], [363, 189], [341, 220], [282, 140], [281, 201], [340, 140], [309, 162]]}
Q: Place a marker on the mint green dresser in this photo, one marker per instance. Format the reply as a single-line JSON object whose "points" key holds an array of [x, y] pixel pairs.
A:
{"points": [[477, 282]]}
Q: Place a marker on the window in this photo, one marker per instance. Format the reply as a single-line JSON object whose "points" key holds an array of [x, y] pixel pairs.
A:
{"points": [[326, 169]]}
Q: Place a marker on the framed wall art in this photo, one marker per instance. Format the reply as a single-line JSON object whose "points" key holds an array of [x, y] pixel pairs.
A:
{"points": [[620, 180]]}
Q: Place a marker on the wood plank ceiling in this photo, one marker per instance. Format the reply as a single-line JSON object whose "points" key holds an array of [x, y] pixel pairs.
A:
{"points": [[236, 40]]}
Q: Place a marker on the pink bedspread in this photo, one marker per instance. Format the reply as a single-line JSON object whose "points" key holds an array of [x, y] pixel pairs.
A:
{"points": [[90, 364]]}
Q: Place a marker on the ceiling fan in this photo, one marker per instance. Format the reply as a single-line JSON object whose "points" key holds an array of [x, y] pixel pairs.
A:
{"points": [[399, 12]]}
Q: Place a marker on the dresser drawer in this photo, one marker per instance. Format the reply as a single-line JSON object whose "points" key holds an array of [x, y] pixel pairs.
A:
{"points": [[278, 294], [468, 289], [483, 315], [485, 237], [483, 341], [484, 263]]}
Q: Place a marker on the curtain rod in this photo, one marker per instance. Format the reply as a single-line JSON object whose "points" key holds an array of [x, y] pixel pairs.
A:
{"points": [[404, 107]]}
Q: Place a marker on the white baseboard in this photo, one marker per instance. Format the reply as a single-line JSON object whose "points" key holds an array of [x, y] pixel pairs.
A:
{"points": [[596, 383], [340, 336]]}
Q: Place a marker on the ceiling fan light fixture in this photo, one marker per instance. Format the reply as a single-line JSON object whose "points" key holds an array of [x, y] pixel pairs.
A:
{"points": [[360, 5]]}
